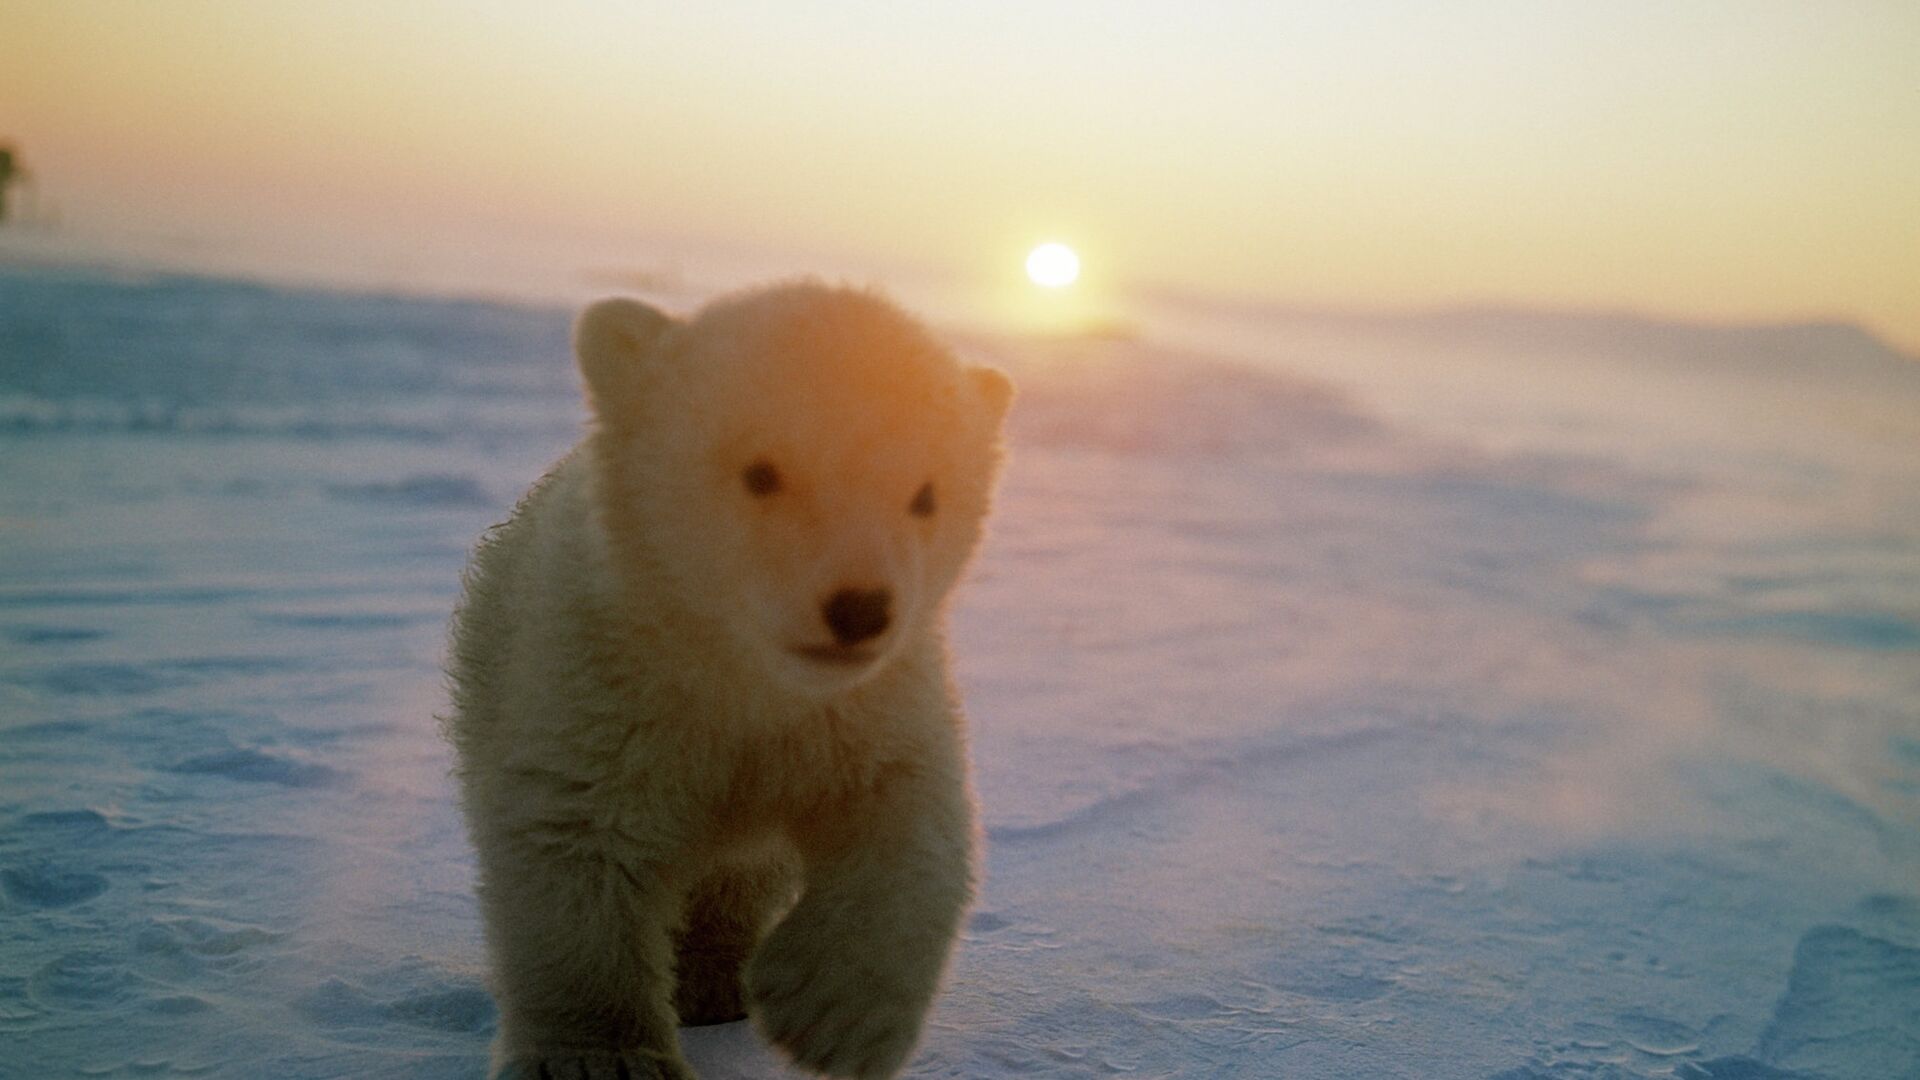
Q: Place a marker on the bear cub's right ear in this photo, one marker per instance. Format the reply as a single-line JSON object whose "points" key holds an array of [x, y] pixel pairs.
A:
{"points": [[611, 341]]}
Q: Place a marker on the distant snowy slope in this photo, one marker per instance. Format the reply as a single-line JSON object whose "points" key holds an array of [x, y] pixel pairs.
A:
{"points": [[1614, 385], [1825, 346], [1344, 704], [164, 352]]}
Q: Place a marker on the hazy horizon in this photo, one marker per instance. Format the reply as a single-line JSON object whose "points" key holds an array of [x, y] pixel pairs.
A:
{"points": [[1710, 162], [1156, 310]]}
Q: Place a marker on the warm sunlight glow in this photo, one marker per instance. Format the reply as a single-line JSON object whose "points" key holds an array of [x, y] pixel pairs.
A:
{"points": [[1716, 160], [1053, 265]]}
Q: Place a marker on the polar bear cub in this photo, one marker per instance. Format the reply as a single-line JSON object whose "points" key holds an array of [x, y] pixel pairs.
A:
{"points": [[709, 753]]}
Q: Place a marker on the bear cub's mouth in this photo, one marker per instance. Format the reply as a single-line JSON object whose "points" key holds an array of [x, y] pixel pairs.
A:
{"points": [[838, 655]]}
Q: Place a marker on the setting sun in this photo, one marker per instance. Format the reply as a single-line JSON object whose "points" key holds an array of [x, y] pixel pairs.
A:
{"points": [[1053, 265]]}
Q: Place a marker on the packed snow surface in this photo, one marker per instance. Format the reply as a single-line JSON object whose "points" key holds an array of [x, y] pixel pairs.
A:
{"points": [[1478, 696]]}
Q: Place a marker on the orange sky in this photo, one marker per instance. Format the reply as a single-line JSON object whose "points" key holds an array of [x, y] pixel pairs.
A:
{"points": [[1727, 159]]}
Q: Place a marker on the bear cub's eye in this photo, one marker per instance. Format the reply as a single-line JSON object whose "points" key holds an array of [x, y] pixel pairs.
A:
{"points": [[761, 478], [922, 504]]}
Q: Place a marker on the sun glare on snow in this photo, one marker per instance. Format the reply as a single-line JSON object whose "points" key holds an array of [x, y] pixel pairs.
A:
{"points": [[1053, 265]]}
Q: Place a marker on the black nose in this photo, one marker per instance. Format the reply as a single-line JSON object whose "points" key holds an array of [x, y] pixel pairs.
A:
{"points": [[855, 615]]}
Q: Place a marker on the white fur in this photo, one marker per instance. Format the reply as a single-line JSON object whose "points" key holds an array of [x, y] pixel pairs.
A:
{"points": [[660, 785]]}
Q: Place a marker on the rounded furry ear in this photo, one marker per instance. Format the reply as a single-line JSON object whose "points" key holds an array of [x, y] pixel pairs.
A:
{"points": [[611, 341], [995, 389]]}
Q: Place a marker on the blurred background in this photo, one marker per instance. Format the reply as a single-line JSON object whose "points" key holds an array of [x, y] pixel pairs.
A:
{"points": [[1709, 159]]}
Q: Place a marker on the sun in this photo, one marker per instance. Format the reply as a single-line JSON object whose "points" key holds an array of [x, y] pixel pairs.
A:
{"points": [[1053, 265]]}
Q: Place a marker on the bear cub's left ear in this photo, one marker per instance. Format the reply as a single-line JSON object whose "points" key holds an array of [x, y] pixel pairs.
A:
{"points": [[611, 341], [995, 389]]}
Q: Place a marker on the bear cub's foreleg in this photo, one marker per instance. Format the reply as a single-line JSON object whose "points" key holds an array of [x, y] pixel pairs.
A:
{"points": [[583, 961], [844, 982], [723, 918]]}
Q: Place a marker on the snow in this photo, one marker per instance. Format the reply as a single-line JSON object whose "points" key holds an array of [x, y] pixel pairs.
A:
{"points": [[1481, 696]]}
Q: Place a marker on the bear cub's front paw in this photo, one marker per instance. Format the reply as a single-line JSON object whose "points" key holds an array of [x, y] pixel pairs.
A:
{"points": [[832, 1015]]}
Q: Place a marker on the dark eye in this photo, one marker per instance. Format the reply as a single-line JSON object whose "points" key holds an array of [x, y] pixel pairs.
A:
{"points": [[922, 504], [761, 478]]}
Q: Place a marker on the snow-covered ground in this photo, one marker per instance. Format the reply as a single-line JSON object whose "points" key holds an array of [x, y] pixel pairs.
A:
{"points": [[1478, 696]]}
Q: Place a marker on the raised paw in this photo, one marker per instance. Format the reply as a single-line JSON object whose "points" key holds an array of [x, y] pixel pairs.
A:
{"points": [[832, 1016], [591, 1065]]}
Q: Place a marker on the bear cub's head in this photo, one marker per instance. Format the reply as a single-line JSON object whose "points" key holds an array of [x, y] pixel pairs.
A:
{"points": [[802, 467]]}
